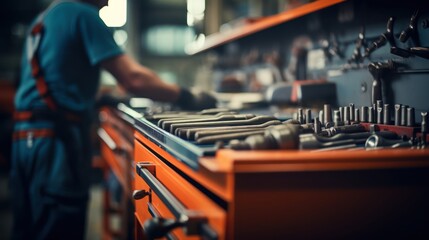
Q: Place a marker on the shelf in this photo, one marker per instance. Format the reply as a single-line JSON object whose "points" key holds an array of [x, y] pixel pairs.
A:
{"points": [[218, 39]]}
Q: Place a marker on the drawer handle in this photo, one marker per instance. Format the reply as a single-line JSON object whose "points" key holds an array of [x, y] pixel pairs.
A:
{"points": [[159, 227], [111, 144], [107, 139], [193, 222], [140, 194]]}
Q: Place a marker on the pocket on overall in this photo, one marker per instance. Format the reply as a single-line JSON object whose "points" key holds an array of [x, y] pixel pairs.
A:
{"points": [[65, 192], [69, 166]]}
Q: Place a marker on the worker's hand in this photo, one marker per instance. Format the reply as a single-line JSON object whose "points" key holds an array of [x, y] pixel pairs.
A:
{"points": [[109, 100], [195, 100]]}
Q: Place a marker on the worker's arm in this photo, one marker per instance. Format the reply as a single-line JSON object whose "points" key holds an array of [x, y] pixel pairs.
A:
{"points": [[140, 80], [143, 82]]}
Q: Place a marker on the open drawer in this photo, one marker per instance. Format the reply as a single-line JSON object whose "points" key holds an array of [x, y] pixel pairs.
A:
{"points": [[170, 206]]}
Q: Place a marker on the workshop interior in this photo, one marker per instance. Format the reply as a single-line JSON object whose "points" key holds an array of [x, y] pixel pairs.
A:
{"points": [[320, 128]]}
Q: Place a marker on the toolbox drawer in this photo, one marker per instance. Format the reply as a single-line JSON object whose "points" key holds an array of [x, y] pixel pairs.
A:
{"points": [[116, 159], [282, 194], [141, 208], [116, 149], [171, 196], [117, 152]]}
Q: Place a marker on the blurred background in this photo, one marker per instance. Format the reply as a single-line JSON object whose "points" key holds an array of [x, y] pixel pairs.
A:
{"points": [[217, 45], [158, 33], [161, 34]]}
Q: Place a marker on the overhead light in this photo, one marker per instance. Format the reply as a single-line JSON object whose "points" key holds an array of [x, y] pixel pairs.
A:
{"points": [[196, 45], [196, 10], [190, 20], [114, 15], [196, 7], [120, 37]]}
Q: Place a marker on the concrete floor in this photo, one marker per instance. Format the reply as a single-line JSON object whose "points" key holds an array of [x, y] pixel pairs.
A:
{"points": [[94, 229]]}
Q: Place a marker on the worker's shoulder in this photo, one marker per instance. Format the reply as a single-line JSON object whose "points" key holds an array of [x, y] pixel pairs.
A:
{"points": [[73, 8]]}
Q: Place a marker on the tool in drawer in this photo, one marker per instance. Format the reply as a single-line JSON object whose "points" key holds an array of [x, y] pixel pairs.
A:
{"points": [[189, 136], [212, 129], [166, 124], [254, 120]]}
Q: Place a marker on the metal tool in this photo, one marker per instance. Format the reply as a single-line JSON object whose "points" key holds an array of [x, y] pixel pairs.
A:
{"points": [[386, 114], [352, 112], [327, 114], [371, 117], [383, 39], [228, 136], [403, 70], [300, 116], [206, 132], [306, 128], [317, 125], [422, 52], [346, 119], [364, 115], [398, 115], [341, 110], [357, 115], [378, 71], [337, 119], [285, 136], [331, 48], [379, 103], [380, 115], [191, 133], [322, 117], [405, 53], [174, 114], [166, 125], [357, 56], [312, 141], [354, 128], [160, 119], [254, 120], [376, 141], [411, 30], [424, 128], [308, 115], [292, 121], [411, 117], [157, 117], [212, 111], [404, 115]]}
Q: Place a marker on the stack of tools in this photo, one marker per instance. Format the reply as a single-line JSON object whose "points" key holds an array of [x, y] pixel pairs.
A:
{"points": [[349, 127]]}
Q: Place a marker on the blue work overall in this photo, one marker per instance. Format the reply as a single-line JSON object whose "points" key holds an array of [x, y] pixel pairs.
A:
{"points": [[51, 161], [50, 167]]}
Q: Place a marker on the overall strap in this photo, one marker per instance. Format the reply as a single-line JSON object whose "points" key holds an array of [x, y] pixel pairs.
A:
{"points": [[33, 45], [54, 112]]}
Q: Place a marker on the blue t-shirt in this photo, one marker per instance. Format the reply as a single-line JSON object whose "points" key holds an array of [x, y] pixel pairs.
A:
{"points": [[74, 42]]}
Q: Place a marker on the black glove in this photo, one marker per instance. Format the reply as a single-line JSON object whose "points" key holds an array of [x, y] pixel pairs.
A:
{"points": [[195, 100], [110, 100]]}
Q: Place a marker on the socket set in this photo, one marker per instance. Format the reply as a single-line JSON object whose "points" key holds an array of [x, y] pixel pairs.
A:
{"points": [[381, 126]]}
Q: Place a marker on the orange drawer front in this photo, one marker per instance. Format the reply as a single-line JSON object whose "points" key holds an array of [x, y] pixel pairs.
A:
{"points": [[171, 198], [116, 157], [141, 208]]}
